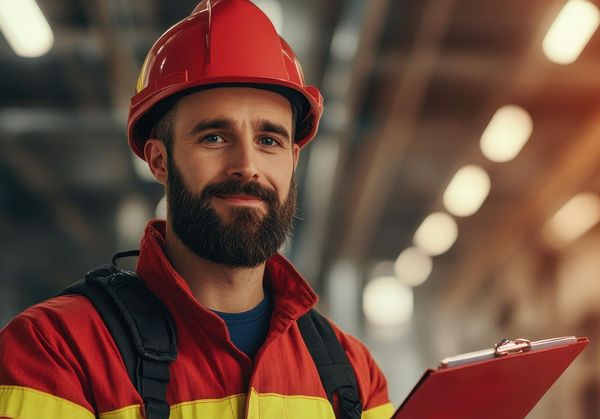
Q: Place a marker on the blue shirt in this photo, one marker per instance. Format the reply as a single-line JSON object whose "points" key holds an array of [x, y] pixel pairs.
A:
{"points": [[249, 329]]}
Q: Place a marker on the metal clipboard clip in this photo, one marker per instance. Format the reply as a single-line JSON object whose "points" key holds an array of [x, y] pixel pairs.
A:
{"points": [[507, 346], [503, 348]]}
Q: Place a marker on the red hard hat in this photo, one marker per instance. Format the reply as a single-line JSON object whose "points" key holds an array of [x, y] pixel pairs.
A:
{"points": [[223, 42]]}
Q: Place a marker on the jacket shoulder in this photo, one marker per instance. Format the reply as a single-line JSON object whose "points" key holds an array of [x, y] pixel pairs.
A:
{"points": [[65, 312], [44, 355], [61, 351], [68, 326]]}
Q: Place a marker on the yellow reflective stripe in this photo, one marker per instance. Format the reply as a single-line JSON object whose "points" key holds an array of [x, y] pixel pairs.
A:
{"points": [[24, 403], [232, 407], [129, 412], [385, 411], [272, 405]]}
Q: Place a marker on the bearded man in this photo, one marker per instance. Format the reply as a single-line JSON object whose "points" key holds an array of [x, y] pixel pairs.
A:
{"points": [[220, 114]]}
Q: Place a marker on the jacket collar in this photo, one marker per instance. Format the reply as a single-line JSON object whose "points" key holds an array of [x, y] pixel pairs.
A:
{"points": [[292, 296]]}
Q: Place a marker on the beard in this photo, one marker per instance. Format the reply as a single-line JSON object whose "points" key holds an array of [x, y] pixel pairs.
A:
{"points": [[247, 239]]}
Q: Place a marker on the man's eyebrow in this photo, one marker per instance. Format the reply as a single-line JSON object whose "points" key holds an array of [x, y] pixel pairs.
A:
{"points": [[269, 126], [209, 124]]}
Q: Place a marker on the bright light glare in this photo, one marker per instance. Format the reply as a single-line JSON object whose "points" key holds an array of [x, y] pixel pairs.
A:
{"points": [[436, 234], [387, 303], [571, 31], [273, 9], [467, 190], [506, 134], [344, 42], [25, 28], [413, 266], [576, 217]]}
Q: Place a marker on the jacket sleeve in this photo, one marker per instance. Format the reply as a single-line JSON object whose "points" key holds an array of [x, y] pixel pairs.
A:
{"points": [[39, 378]]}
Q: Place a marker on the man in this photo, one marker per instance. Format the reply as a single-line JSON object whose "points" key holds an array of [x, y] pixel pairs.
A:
{"points": [[220, 114]]}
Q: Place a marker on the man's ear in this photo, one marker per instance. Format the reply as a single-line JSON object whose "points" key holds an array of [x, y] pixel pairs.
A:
{"points": [[295, 154], [155, 153]]}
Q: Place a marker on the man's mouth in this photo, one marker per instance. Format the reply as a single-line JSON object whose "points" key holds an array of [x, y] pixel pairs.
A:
{"points": [[241, 199]]}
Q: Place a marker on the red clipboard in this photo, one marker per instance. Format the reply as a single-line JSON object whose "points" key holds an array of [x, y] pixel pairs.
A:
{"points": [[505, 387]]}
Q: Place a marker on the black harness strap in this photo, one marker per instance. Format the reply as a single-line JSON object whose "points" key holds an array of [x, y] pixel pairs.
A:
{"points": [[332, 363], [141, 327]]}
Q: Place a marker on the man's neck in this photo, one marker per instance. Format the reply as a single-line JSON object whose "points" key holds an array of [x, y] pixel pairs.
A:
{"points": [[215, 286]]}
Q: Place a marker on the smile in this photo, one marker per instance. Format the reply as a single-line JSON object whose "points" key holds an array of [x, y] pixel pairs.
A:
{"points": [[241, 200]]}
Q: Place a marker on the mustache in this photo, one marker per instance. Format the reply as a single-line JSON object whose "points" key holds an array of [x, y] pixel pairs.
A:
{"points": [[239, 188]]}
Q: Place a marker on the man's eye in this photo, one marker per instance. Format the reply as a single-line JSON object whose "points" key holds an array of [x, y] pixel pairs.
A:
{"points": [[268, 141], [213, 138]]}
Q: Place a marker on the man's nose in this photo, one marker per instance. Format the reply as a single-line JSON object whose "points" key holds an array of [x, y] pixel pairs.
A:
{"points": [[243, 164]]}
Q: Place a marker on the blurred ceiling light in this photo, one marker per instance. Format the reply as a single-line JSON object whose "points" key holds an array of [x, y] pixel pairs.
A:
{"points": [[337, 115], [132, 216], [273, 9], [413, 266], [576, 217], [467, 190], [571, 31], [25, 28], [436, 234], [506, 134], [343, 292], [161, 209], [344, 42], [387, 303]]}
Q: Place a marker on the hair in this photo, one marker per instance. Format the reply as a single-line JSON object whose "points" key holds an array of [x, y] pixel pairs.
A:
{"points": [[164, 127]]}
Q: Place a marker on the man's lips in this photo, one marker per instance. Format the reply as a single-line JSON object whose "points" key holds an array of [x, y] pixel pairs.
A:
{"points": [[241, 199]]}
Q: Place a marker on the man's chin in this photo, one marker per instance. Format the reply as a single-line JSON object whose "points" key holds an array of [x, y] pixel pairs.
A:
{"points": [[244, 220]]}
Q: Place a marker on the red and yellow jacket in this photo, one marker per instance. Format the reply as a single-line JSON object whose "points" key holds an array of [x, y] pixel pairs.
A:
{"points": [[58, 360]]}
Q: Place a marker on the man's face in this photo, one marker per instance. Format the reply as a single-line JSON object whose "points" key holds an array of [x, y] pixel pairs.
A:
{"points": [[230, 183]]}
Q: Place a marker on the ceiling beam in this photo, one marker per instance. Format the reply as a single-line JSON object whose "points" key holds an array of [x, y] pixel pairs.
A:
{"points": [[43, 121], [372, 176], [526, 76], [478, 68], [118, 50], [332, 148], [42, 183]]}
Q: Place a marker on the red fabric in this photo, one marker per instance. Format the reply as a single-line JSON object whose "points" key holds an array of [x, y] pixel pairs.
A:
{"points": [[62, 347]]}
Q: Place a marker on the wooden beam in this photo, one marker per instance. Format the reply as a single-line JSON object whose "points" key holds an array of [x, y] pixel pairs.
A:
{"points": [[44, 185], [311, 246], [119, 50], [371, 178], [479, 68]]}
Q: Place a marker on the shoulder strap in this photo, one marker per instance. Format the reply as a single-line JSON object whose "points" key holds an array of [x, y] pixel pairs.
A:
{"points": [[141, 327], [332, 363]]}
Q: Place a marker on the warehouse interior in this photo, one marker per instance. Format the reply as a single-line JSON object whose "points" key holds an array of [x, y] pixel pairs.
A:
{"points": [[413, 90]]}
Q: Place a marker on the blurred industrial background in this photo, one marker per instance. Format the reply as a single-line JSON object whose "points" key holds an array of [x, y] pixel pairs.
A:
{"points": [[450, 199]]}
